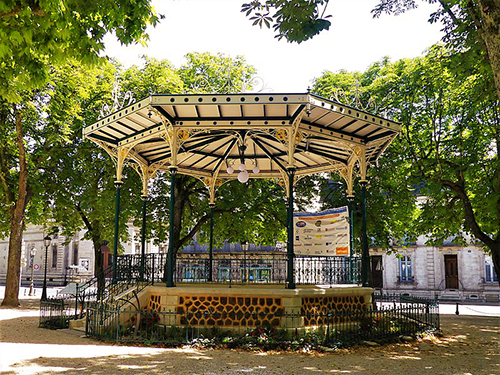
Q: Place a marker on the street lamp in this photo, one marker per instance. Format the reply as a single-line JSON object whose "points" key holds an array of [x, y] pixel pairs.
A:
{"points": [[32, 264], [46, 242]]}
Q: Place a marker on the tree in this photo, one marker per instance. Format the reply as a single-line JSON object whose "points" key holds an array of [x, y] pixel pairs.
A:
{"points": [[471, 27], [31, 131], [79, 177], [36, 36], [448, 150], [296, 21]]}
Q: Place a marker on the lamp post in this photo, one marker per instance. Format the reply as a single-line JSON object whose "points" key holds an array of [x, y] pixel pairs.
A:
{"points": [[46, 242], [244, 246], [32, 264]]}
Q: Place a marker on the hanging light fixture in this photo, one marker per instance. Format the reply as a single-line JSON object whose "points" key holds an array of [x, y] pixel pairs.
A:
{"points": [[230, 170], [243, 176], [256, 169]]}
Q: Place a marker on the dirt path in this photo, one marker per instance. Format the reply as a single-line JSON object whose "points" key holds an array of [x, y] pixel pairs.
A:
{"points": [[471, 345]]}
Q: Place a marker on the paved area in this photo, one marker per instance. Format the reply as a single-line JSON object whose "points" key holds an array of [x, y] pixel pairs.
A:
{"points": [[471, 345]]}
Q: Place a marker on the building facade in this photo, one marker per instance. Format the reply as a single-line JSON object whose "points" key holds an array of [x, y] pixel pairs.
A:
{"points": [[449, 272], [68, 258]]}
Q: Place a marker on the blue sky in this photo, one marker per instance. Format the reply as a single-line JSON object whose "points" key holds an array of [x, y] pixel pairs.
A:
{"points": [[354, 41]]}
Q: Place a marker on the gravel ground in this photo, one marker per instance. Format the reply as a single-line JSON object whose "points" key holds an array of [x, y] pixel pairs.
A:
{"points": [[471, 345]]}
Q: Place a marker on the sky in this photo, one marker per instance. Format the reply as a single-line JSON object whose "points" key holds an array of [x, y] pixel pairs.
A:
{"points": [[354, 41]]}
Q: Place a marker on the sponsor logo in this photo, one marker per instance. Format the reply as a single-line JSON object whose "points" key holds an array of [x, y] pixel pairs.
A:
{"points": [[301, 224], [318, 223], [297, 238], [342, 250], [318, 236]]}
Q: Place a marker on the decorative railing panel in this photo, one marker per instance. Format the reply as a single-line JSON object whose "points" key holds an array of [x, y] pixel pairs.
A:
{"points": [[241, 269]]}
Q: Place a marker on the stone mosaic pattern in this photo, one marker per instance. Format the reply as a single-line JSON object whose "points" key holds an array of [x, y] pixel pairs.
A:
{"points": [[230, 311], [316, 310]]}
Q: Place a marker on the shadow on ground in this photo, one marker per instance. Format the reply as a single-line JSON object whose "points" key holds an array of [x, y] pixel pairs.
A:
{"points": [[471, 345]]}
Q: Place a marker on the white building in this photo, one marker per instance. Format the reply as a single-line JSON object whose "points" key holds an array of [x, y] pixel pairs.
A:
{"points": [[68, 258], [448, 272]]}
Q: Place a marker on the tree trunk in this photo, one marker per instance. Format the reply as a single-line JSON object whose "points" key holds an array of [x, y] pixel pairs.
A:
{"points": [[17, 222], [98, 271], [495, 255]]}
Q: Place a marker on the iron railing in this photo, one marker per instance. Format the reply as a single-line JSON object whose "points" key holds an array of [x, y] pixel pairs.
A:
{"points": [[241, 269], [334, 328], [55, 313]]}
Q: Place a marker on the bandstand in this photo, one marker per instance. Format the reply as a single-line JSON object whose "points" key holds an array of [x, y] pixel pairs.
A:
{"points": [[222, 137]]}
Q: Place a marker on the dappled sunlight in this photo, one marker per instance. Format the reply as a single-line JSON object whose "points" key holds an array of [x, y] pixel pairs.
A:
{"points": [[404, 357]]}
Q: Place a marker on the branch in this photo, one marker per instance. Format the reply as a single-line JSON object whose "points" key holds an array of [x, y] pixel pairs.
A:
{"points": [[203, 220], [84, 217], [450, 13], [34, 6], [470, 217]]}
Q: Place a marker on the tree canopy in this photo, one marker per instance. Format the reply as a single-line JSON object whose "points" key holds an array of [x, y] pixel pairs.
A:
{"points": [[35, 35], [447, 152]]}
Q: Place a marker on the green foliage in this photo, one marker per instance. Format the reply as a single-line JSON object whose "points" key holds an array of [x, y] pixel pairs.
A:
{"points": [[296, 21], [447, 152], [208, 73], [35, 35]]}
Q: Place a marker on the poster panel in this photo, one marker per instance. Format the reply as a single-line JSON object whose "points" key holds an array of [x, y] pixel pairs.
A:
{"points": [[325, 233]]}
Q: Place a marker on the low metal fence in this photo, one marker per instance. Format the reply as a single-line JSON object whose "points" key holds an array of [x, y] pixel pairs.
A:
{"points": [[335, 328], [55, 313]]}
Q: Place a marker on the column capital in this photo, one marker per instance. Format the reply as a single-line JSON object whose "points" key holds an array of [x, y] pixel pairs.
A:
{"points": [[363, 182], [172, 169], [118, 184], [211, 205], [350, 198], [144, 197]]}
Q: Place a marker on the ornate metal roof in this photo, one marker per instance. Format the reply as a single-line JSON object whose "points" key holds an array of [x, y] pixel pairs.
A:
{"points": [[204, 135]]}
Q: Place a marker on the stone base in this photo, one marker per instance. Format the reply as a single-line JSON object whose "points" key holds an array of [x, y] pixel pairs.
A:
{"points": [[212, 305]]}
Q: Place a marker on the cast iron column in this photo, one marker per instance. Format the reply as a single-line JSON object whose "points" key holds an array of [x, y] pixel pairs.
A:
{"points": [[365, 256], [350, 205], [170, 255], [289, 246], [118, 185], [143, 235], [211, 247]]}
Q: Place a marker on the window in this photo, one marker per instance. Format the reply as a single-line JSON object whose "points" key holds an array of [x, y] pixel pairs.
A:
{"points": [[405, 272], [491, 276], [54, 256]]}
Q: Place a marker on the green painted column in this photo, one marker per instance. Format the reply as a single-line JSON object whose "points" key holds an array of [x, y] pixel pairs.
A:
{"points": [[365, 255], [211, 247], [289, 247], [350, 207], [143, 236], [118, 186], [170, 255]]}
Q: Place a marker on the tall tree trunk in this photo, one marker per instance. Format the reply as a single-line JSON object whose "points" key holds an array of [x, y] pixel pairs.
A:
{"points": [[495, 255], [17, 222]]}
